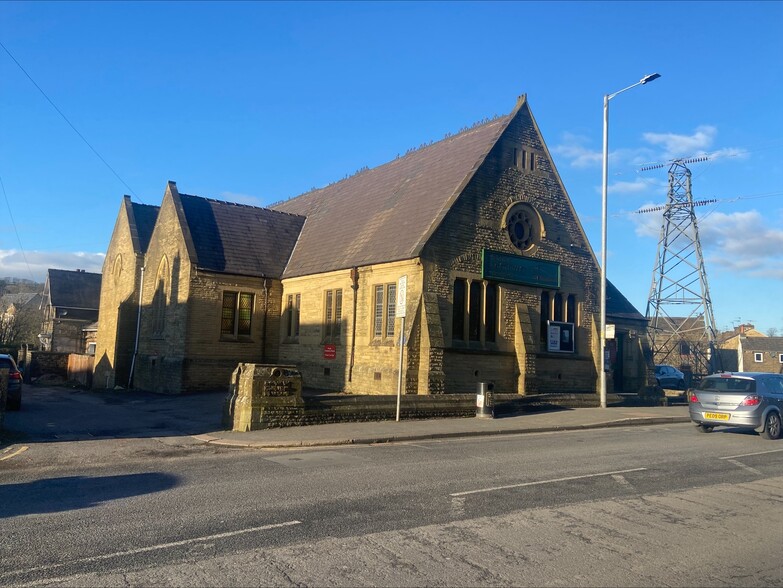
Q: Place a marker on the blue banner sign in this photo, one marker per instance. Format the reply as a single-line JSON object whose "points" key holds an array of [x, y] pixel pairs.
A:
{"points": [[505, 267]]}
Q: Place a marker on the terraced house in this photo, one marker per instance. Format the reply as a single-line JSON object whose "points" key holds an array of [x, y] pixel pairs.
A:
{"points": [[500, 282]]}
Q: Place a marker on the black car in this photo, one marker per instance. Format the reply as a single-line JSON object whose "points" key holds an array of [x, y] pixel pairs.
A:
{"points": [[13, 400]]}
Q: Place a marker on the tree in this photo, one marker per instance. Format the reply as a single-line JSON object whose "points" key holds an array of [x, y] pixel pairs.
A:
{"points": [[772, 332], [20, 321]]}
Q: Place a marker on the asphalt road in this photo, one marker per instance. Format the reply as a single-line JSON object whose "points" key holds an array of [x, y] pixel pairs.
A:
{"points": [[655, 505]]}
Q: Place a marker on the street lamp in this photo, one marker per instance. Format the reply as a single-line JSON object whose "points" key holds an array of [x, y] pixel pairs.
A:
{"points": [[604, 189]]}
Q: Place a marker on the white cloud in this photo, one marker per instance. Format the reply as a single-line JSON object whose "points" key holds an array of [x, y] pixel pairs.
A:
{"points": [[675, 145], [574, 150], [745, 243], [635, 187], [665, 147], [648, 224], [33, 264]]}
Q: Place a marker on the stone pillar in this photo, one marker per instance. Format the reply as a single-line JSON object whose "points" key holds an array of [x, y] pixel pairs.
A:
{"points": [[264, 396]]}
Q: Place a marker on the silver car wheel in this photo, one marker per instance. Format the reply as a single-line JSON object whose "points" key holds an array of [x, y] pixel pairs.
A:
{"points": [[772, 426]]}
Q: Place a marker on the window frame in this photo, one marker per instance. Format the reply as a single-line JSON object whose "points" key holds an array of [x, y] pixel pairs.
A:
{"points": [[293, 315], [758, 357], [384, 312], [332, 316], [238, 331], [479, 325], [780, 357], [159, 302]]}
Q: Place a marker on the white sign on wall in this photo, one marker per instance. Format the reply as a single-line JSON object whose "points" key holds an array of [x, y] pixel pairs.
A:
{"points": [[402, 285]]}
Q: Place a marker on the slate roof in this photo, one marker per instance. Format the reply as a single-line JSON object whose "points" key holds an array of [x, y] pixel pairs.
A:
{"points": [[774, 344], [236, 238], [74, 289], [18, 300], [143, 222], [387, 213], [618, 305]]}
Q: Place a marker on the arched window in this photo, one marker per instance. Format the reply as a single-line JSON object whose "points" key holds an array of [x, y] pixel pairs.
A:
{"points": [[475, 311], [159, 298], [116, 271]]}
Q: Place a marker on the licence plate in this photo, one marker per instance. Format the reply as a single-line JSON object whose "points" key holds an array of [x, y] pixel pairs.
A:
{"points": [[717, 416]]}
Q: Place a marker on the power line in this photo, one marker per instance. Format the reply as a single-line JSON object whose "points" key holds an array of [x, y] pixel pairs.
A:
{"points": [[70, 124], [13, 224]]}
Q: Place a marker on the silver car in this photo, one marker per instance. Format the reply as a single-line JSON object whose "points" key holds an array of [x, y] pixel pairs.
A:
{"points": [[750, 400]]}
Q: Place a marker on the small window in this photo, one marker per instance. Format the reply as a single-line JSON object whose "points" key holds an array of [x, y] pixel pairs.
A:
{"points": [[236, 314], [545, 314], [333, 315], [571, 309], [91, 348], [558, 310], [292, 315], [159, 299], [384, 311], [758, 357], [780, 357]]}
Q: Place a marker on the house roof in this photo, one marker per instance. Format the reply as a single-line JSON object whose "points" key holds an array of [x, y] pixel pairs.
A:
{"points": [[618, 305], [142, 218], [74, 289], [17, 300], [388, 212], [236, 238], [670, 324], [774, 344], [740, 331]]}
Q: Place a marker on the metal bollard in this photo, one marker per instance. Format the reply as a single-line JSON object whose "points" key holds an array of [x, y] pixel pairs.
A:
{"points": [[485, 406]]}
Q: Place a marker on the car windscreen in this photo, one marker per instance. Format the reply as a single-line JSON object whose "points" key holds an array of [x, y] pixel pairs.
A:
{"points": [[739, 385]]}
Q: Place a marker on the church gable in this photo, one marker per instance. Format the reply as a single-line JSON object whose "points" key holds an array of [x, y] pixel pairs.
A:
{"points": [[514, 204]]}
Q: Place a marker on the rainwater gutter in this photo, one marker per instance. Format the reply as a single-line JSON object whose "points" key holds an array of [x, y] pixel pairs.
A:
{"points": [[355, 288], [138, 328]]}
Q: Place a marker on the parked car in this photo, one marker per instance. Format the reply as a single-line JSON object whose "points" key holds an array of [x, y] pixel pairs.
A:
{"points": [[13, 400], [669, 376], [750, 400]]}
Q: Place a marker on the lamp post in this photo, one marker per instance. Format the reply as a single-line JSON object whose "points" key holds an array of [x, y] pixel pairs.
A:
{"points": [[604, 189]]}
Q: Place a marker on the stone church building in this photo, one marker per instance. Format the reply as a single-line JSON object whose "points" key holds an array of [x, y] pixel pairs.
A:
{"points": [[501, 284]]}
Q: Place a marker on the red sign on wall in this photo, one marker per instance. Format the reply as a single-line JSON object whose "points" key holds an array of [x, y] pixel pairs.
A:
{"points": [[330, 351]]}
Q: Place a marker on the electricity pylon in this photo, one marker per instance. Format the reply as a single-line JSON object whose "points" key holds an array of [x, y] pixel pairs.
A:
{"points": [[681, 325]]}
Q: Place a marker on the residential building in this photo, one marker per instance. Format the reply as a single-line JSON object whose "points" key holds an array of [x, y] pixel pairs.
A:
{"points": [[70, 301], [760, 354]]}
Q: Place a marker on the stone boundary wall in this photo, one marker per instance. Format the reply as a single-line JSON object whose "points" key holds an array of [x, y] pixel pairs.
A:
{"points": [[337, 408], [48, 362]]}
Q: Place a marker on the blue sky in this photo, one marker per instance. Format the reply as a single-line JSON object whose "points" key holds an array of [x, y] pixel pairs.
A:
{"points": [[258, 102]]}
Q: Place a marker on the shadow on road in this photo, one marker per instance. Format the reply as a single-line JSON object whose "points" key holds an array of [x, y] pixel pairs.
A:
{"points": [[76, 492]]}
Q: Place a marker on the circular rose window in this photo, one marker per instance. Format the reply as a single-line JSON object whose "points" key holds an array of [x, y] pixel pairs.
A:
{"points": [[523, 224]]}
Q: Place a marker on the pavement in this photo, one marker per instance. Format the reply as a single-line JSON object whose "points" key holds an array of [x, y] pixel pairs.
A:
{"points": [[62, 414], [416, 430]]}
